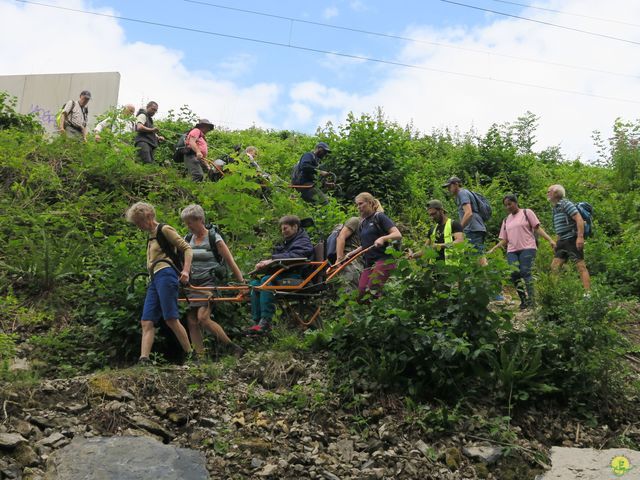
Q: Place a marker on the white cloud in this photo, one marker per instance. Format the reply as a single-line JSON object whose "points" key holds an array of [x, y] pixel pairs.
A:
{"points": [[147, 71], [434, 99], [237, 66], [358, 6], [330, 12]]}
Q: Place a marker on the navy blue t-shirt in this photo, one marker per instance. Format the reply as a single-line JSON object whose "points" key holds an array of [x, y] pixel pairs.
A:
{"points": [[370, 231]]}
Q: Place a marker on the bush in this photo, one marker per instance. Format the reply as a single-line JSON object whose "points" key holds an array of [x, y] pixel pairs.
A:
{"points": [[430, 332]]}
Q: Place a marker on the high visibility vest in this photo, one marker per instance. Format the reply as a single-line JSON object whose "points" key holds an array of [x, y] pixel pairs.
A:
{"points": [[448, 238]]}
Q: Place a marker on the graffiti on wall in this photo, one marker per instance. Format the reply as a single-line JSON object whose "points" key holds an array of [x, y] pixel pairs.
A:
{"points": [[46, 116]]}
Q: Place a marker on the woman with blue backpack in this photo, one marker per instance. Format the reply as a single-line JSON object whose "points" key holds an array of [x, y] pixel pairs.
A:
{"points": [[519, 233], [211, 259]]}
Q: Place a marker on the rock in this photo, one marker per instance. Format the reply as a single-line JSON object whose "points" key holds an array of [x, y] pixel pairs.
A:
{"points": [[484, 453], [177, 418], [9, 441], [23, 428], [453, 458], [254, 445], [591, 464], [329, 475], [103, 386], [151, 426], [345, 449], [19, 365], [268, 470], [76, 408], [422, 447], [481, 470], [125, 458], [41, 422], [53, 440], [256, 463], [238, 420], [32, 474], [208, 422], [26, 456]]}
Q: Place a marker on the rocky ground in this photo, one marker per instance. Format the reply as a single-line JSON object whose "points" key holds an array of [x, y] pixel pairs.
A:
{"points": [[274, 414]]}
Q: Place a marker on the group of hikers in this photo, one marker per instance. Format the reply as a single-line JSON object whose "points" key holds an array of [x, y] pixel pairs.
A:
{"points": [[191, 149], [202, 258]]}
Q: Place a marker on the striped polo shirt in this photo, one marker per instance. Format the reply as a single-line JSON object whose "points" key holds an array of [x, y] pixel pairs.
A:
{"points": [[563, 222]]}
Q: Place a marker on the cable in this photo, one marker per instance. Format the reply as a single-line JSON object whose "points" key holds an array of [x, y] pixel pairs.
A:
{"points": [[337, 54], [541, 22], [409, 39], [609, 20]]}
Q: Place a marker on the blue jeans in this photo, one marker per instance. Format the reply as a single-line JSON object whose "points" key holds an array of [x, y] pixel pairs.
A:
{"points": [[263, 304], [523, 259], [477, 240]]}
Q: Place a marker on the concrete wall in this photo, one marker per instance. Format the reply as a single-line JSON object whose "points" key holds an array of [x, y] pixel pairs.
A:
{"points": [[45, 94]]}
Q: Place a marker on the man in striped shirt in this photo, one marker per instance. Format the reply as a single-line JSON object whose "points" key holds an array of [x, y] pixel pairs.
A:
{"points": [[569, 227]]}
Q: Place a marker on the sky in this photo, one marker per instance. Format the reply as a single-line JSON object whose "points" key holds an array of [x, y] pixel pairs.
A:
{"points": [[462, 68]]}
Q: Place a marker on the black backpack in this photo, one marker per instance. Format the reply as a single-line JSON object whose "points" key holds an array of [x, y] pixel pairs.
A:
{"points": [[220, 273], [176, 256], [331, 243], [181, 148]]}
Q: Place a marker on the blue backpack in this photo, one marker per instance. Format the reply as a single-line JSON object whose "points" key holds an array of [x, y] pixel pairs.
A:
{"points": [[483, 207], [586, 212]]}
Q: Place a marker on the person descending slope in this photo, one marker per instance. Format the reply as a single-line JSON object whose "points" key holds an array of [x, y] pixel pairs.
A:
{"points": [[304, 174]]}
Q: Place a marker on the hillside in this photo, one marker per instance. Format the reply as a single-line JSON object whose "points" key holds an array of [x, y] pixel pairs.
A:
{"points": [[404, 384]]}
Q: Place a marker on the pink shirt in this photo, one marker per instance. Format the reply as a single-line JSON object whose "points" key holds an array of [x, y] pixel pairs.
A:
{"points": [[200, 141], [518, 231]]}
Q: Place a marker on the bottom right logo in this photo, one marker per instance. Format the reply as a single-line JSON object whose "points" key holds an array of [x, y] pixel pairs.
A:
{"points": [[620, 465]]}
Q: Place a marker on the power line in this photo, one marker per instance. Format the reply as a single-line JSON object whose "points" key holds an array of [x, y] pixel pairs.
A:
{"points": [[541, 22], [409, 39], [337, 54], [571, 14]]}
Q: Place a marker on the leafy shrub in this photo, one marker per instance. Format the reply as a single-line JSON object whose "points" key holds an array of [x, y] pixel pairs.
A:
{"points": [[368, 154], [431, 330], [10, 119]]}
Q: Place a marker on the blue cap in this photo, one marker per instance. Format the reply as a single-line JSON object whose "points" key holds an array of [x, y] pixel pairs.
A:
{"points": [[323, 146]]}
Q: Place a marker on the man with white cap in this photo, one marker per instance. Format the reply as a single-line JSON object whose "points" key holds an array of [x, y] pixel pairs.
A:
{"points": [[197, 149]]}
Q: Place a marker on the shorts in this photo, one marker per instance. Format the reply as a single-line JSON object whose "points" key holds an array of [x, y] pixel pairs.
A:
{"points": [[477, 240], [191, 294], [162, 297], [567, 250]]}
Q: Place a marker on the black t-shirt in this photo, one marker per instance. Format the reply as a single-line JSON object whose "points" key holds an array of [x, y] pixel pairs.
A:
{"points": [[456, 227], [372, 228]]}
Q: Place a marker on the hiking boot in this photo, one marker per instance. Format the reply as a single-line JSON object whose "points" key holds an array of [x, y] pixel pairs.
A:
{"points": [[237, 350], [524, 306], [264, 326], [193, 359], [255, 328], [144, 362]]}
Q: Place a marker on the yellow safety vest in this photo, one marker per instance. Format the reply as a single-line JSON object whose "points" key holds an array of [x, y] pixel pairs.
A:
{"points": [[448, 238]]}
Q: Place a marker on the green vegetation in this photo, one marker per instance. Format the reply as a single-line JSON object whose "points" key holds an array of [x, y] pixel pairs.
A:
{"points": [[67, 256]]}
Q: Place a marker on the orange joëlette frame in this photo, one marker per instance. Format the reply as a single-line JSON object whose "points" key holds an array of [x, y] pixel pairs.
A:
{"points": [[243, 290]]}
